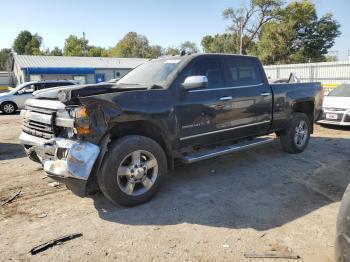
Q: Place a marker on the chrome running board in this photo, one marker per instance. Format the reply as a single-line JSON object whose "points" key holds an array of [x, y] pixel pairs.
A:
{"points": [[198, 156]]}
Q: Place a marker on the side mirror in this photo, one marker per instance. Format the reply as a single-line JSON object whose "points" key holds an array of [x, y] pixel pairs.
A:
{"points": [[193, 82]]}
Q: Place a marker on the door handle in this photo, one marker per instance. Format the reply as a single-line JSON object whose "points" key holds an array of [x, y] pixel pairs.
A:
{"points": [[226, 98], [265, 94]]}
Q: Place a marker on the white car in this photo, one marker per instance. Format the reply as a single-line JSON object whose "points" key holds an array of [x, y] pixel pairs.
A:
{"points": [[336, 107], [14, 100]]}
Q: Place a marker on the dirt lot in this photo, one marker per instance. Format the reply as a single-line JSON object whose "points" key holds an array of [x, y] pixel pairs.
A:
{"points": [[210, 211]]}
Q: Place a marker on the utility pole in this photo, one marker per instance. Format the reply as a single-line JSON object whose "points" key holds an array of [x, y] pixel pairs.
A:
{"points": [[84, 45], [241, 36]]}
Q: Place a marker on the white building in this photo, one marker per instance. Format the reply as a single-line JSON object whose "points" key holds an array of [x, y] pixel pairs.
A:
{"points": [[83, 69]]}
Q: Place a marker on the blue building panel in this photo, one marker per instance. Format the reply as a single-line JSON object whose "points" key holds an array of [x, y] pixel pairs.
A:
{"points": [[60, 70]]}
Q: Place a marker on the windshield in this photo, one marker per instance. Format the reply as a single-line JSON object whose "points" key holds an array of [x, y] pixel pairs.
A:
{"points": [[342, 91], [156, 72]]}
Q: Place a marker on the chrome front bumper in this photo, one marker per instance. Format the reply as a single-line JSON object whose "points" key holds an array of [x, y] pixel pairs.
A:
{"points": [[63, 158]]}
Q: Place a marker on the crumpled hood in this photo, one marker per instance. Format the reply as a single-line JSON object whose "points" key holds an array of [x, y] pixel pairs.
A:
{"points": [[82, 90], [336, 102]]}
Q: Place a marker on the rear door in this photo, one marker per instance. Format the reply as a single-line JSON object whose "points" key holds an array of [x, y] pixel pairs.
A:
{"points": [[251, 104]]}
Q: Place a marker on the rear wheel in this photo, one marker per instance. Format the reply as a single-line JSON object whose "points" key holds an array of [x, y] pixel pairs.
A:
{"points": [[295, 138], [8, 108], [132, 171]]}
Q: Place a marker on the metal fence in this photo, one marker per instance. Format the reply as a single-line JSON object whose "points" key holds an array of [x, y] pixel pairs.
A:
{"points": [[329, 73]]}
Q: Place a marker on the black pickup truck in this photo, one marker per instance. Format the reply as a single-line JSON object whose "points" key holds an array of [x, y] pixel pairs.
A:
{"points": [[122, 138]]}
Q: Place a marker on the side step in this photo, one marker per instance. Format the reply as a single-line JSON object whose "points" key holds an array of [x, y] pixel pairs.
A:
{"points": [[198, 156]]}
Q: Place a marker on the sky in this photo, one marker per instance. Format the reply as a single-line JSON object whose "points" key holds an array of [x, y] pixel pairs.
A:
{"points": [[164, 22]]}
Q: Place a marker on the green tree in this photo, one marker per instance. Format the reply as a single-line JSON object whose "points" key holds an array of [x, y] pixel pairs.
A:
{"points": [[27, 44], [224, 43], [96, 51], [5, 59], [299, 36], [189, 47], [156, 51], [132, 45], [56, 52], [75, 46], [171, 51]]}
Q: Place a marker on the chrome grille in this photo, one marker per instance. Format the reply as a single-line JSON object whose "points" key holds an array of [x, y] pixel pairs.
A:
{"points": [[39, 122]]}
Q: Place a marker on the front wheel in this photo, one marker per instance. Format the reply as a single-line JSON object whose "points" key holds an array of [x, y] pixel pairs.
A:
{"points": [[133, 170], [8, 108], [295, 138]]}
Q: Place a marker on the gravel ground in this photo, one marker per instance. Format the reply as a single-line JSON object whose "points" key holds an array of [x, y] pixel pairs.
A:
{"points": [[217, 210]]}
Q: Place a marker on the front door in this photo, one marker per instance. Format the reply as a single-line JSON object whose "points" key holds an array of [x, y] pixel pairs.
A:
{"points": [[201, 112], [25, 93]]}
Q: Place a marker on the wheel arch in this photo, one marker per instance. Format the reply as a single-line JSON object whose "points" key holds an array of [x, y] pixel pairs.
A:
{"points": [[308, 108], [150, 129]]}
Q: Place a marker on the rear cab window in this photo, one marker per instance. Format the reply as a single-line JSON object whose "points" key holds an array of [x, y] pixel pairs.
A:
{"points": [[241, 72]]}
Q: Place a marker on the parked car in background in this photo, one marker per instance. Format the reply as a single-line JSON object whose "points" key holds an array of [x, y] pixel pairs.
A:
{"points": [[122, 138], [336, 107], [342, 247], [14, 99]]}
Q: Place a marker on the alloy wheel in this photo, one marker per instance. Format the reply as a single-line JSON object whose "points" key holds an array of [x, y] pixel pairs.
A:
{"points": [[137, 172]]}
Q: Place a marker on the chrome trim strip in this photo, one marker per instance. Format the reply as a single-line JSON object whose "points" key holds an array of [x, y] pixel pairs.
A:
{"points": [[64, 122], [223, 130], [37, 117], [46, 104], [223, 88]]}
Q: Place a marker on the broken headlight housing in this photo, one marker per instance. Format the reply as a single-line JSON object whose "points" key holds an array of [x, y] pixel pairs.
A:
{"points": [[82, 121]]}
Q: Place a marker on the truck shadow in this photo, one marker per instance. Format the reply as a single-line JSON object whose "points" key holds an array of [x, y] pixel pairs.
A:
{"points": [[261, 188], [11, 151]]}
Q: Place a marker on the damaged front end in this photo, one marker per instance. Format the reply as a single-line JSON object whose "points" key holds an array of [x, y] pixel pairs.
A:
{"points": [[65, 139], [70, 161]]}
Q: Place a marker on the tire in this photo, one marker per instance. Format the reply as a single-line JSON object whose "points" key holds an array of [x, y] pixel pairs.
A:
{"points": [[132, 171], [8, 108], [298, 130]]}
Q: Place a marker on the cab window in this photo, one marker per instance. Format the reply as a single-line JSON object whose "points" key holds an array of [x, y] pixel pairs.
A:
{"points": [[241, 72], [209, 67]]}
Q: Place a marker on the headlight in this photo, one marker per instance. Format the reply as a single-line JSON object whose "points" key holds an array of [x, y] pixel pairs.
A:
{"points": [[82, 121]]}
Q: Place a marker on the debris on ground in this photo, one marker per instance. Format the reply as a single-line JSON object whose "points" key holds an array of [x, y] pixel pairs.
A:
{"points": [[275, 251], [44, 177], [271, 255], [262, 235], [54, 184], [225, 246], [11, 198], [54, 242], [43, 215]]}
